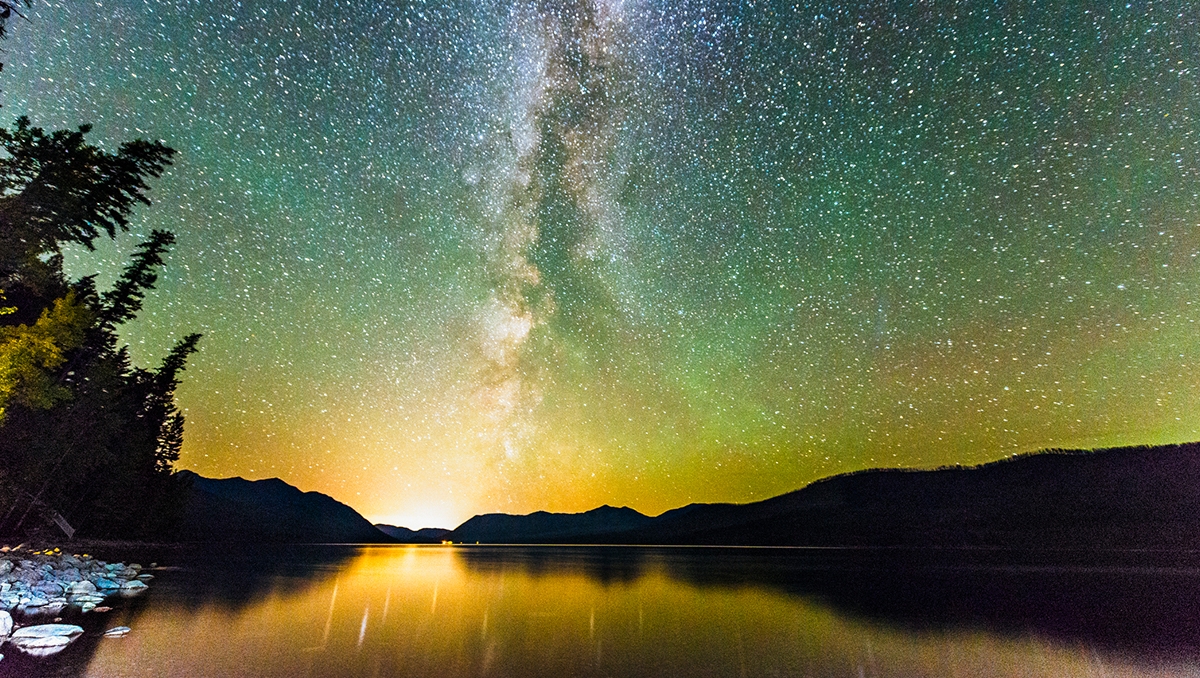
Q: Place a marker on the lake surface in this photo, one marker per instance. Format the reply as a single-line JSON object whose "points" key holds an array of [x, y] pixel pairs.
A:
{"points": [[623, 611]]}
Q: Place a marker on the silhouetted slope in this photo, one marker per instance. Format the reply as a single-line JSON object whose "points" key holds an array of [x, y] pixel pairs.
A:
{"points": [[239, 510], [425, 535], [543, 527], [1117, 498], [1143, 497]]}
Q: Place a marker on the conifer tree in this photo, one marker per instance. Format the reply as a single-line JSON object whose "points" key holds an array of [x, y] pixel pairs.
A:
{"points": [[83, 432]]}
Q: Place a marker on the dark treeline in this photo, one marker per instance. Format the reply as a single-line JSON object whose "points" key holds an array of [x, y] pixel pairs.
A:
{"points": [[86, 438]]}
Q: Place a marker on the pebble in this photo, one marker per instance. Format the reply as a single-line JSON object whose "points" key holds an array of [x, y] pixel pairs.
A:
{"points": [[117, 632]]}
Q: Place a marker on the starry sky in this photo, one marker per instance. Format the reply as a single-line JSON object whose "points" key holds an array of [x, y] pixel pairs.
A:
{"points": [[474, 255]]}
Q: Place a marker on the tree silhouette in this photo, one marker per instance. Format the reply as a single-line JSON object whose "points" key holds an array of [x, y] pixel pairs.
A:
{"points": [[83, 432]]}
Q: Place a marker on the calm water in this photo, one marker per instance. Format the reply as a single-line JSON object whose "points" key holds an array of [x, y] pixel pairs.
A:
{"points": [[596, 611]]}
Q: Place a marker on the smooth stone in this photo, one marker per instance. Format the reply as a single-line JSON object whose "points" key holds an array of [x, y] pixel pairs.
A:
{"points": [[34, 602], [145, 577], [6, 566], [102, 608], [49, 588], [104, 583], [88, 607], [42, 647], [117, 631], [133, 584], [84, 586], [6, 625], [46, 630]]}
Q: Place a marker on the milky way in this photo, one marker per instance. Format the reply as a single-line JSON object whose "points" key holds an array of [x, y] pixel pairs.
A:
{"points": [[453, 258]]}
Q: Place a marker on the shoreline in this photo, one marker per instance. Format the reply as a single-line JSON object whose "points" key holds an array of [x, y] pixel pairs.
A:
{"points": [[47, 575]]}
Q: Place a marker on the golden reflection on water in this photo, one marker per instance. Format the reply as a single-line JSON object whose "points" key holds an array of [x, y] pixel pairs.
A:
{"points": [[432, 611]]}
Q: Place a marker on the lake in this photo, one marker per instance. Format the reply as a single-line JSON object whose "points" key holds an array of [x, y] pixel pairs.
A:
{"points": [[627, 611]]}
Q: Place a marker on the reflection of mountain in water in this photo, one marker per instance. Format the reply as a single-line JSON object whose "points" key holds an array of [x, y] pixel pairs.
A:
{"points": [[244, 575], [1123, 600], [551, 610]]}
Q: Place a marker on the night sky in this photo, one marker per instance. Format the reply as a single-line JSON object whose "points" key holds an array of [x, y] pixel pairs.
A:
{"points": [[508, 256]]}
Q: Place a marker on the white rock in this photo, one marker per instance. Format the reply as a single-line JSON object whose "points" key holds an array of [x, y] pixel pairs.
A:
{"points": [[133, 584], [84, 586], [117, 631], [6, 625], [40, 642], [88, 607], [42, 647], [45, 631]]}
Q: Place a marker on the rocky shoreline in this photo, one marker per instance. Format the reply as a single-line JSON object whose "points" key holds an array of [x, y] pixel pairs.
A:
{"points": [[43, 584]]}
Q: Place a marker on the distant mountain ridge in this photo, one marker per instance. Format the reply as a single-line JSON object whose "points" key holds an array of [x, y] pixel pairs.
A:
{"points": [[253, 511], [1120, 498], [542, 527], [1133, 497], [425, 535]]}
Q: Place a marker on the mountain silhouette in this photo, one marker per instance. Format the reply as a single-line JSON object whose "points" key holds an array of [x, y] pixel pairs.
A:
{"points": [[252, 511], [1119, 498]]}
